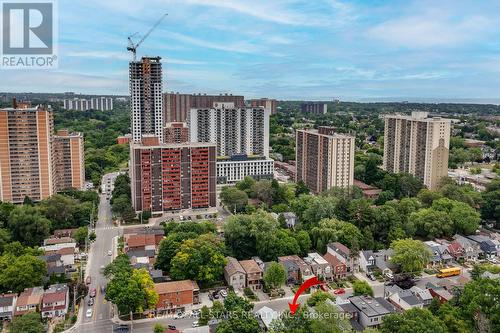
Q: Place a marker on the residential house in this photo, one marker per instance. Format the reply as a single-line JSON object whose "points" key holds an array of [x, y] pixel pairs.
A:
{"points": [[157, 275], [319, 266], [142, 257], [471, 249], [140, 242], [7, 306], [381, 260], [59, 233], [297, 270], [253, 274], [369, 191], [487, 246], [176, 296], [402, 299], [456, 250], [371, 311], [440, 255], [234, 274], [29, 300], [423, 295], [157, 231], [266, 316], [441, 294], [291, 219], [66, 250], [55, 301], [55, 265], [344, 254], [339, 269], [58, 240]]}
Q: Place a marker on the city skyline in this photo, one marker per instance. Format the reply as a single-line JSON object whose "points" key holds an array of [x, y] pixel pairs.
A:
{"points": [[284, 50]]}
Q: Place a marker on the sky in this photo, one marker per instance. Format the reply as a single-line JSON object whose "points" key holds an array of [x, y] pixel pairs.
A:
{"points": [[295, 50]]}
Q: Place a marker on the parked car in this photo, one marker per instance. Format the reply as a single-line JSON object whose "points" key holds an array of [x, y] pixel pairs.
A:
{"points": [[339, 291], [196, 313], [171, 327], [223, 293], [323, 287], [89, 313], [195, 324], [215, 295], [370, 276], [90, 302], [121, 329], [179, 315], [110, 253], [93, 292], [88, 280]]}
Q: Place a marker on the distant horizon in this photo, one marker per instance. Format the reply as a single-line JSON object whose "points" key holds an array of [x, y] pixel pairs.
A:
{"points": [[381, 99]]}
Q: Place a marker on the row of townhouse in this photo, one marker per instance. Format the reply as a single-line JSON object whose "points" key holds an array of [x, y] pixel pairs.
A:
{"points": [[60, 253], [51, 303]]}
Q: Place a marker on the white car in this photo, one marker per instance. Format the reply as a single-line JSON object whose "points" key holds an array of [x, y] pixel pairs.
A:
{"points": [[179, 315], [223, 293], [110, 253], [89, 312], [195, 324]]}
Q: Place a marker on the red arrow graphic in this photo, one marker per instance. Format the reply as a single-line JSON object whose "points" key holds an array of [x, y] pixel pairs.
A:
{"points": [[307, 284]]}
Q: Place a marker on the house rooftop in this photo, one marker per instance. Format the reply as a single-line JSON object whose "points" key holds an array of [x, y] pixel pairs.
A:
{"points": [[175, 286], [250, 266], [372, 307], [233, 266]]}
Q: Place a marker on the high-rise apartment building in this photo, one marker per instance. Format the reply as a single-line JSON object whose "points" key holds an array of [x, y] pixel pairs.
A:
{"points": [[314, 107], [266, 103], [235, 130], [417, 145], [172, 176], [146, 99], [176, 106], [96, 103], [323, 160], [176, 133], [69, 160], [26, 156]]}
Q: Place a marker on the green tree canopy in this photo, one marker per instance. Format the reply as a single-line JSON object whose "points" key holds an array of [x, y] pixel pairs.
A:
{"points": [[411, 255], [275, 276]]}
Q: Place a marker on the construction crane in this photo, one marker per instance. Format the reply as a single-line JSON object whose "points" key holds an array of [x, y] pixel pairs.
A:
{"points": [[133, 46]]}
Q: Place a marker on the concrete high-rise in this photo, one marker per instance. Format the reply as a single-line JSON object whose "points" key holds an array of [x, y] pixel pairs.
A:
{"points": [[176, 133], [417, 145], [266, 103], [146, 99], [176, 106], [235, 130], [26, 156], [314, 107], [172, 176], [69, 160], [324, 160]]}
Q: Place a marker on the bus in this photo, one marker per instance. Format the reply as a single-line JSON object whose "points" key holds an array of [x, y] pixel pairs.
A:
{"points": [[446, 272]]}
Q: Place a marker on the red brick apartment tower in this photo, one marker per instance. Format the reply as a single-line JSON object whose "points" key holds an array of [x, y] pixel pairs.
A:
{"points": [[26, 156], [176, 133], [172, 176], [69, 160], [265, 103]]}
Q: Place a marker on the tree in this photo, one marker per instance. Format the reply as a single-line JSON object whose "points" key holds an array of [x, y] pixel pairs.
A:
{"points": [[431, 223], [20, 270], [427, 197], [169, 246], [411, 255], [28, 226], [201, 259], [234, 199], [362, 288], [333, 230], [240, 322], [301, 188], [4, 238], [318, 297], [303, 240], [81, 234], [158, 328], [383, 197], [245, 184], [59, 209], [146, 285], [204, 316], [491, 197], [386, 218], [275, 276], [480, 306], [465, 218], [413, 321], [234, 303], [27, 323]]}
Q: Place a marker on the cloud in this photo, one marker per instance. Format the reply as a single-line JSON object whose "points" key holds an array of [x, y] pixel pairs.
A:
{"points": [[421, 31], [125, 56]]}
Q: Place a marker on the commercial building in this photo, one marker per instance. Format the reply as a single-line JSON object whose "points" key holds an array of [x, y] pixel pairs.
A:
{"points": [[234, 130], [26, 156], [95, 103], [69, 160], [176, 296], [314, 107], [146, 100], [176, 106], [418, 145], [324, 161], [172, 176], [176, 133], [266, 103], [233, 169]]}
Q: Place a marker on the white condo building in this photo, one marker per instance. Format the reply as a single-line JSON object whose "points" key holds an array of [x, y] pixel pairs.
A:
{"points": [[146, 100]]}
